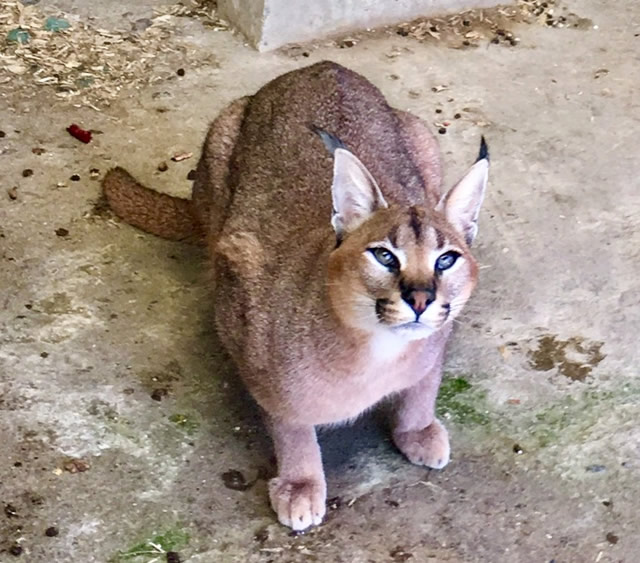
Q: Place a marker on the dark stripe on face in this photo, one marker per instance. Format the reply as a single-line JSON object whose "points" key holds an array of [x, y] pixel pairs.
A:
{"points": [[440, 240], [393, 236], [414, 222]]}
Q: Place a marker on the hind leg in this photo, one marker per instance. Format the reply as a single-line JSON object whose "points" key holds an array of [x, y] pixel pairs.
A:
{"points": [[211, 193]]}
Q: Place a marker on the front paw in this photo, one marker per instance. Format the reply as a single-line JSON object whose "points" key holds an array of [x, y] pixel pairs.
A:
{"points": [[298, 504], [429, 446]]}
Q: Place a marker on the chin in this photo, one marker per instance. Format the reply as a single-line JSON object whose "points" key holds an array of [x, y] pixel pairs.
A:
{"points": [[413, 330]]}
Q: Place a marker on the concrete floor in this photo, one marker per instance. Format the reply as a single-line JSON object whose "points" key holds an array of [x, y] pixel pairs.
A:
{"points": [[542, 397]]}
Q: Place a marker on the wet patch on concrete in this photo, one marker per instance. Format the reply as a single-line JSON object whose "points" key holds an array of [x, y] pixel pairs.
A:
{"points": [[574, 358]]}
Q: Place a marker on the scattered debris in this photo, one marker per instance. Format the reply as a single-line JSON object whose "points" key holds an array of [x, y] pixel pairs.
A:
{"points": [[612, 538], [347, 42], [38, 151], [236, 481], [163, 167], [62, 232], [470, 28], [56, 24], [159, 394], [74, 178], [18, 35], [10, 511], [400, 554], [16, 550], [51, 532], [262, 535], [76, 465], [173, 557], [13, 193], [179, 157], [92, 65], [94, 173], [27, 172], [78, 133], [517, 449], [596, 468]]}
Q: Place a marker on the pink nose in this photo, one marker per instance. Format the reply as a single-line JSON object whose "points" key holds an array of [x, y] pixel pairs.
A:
{"points": [[419, 301]]}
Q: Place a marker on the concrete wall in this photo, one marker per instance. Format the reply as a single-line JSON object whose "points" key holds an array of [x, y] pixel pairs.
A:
{"points": [[269, 24]]}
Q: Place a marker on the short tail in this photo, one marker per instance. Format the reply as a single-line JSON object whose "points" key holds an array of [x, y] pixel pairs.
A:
{"points": [[160, 214]]}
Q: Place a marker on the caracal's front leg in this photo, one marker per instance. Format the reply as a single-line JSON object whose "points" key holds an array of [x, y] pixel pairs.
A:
{"points": [[298, 494], [417, 433]]}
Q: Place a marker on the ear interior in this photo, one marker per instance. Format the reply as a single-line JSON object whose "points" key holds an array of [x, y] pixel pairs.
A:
{"points": [[355, 194], [462, 203]]}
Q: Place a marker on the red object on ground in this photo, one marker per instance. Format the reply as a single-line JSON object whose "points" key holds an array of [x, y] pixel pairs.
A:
{"points": [[79, 133]]}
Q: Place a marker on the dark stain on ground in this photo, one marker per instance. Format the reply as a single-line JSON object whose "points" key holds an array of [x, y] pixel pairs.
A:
{"points": [[574, 358]]}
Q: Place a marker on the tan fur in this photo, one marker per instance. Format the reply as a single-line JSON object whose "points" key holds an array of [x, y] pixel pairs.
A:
{"points": [[301, 318]]}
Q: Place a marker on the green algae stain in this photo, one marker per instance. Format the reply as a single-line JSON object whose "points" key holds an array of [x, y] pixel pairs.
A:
{"points": [[154, 548], [458, 401]]}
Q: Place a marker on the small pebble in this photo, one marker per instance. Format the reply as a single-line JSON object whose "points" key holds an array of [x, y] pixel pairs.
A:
{"points": [[173, 557], [466, 43], [15, 550], [457, 116], [442, 130], [191, 175], [2, 134], [612, 538], [13, 192], [51, 532], [27, 172], [44, 354], [180, 72], [38, 150], [163, 167], [75, 178], [517, 449], [62, 232], [17, 464], [607, 503], [438, 110], [10, 511], [94, 172]]}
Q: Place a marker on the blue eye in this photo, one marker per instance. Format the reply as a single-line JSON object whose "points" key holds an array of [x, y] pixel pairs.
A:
{"points": [[386, 258], [447, 260]]}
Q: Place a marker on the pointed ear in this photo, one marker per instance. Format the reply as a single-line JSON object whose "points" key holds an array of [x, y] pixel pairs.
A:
{"points": [[355, 194], [461, 204]]}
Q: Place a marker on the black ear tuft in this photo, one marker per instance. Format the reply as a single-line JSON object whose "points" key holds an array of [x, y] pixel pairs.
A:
{"points": [[330, 141], [484, 150]]}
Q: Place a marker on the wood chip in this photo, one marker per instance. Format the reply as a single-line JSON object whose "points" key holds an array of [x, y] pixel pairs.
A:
{"points": [[179, 157]]}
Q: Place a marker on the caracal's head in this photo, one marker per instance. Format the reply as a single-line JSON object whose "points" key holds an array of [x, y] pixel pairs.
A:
{"points": [[407, 270]]}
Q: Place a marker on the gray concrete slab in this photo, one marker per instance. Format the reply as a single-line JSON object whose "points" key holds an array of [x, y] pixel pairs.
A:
{"points": [[97, 323], [270, 24]]}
